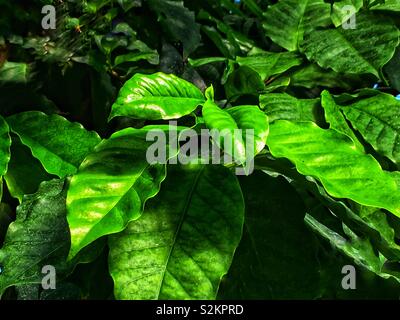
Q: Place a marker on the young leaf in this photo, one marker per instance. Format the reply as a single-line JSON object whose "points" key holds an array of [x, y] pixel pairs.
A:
{"points": [[157, 96], [251, 118], [217, 119], [332, 157], [287, 21], [58, 144], [111, 186], [364, 49], [184, 242]]}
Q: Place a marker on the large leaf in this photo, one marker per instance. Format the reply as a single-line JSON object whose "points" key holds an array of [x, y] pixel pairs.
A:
{"points": [[184, 242], [267, 64], [58, 144], [37, 238], [268, 257], [287, 21], [332, 157], [377, 118], [111, 186], [157, 96], [282, 106], [364, 49], [178, 22]]}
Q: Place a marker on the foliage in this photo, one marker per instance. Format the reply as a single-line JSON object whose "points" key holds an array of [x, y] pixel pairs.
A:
{"points": [[77, 190]]}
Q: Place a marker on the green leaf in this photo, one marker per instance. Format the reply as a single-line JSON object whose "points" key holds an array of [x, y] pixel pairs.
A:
{"points": [[341, 14], [178, 22], [14, 73], [347, 50], [58, 144], [5, 143], [356, 248], [287, 21], [203, 61], [377, 118], [111, 186], [25, 173], [38, 237], [157, 96], [268, 64], [268, 257], [312, 76], [282, 106], [336, 119], [332, 158], [217, 119], [251, 118], [388, 5], [391, 69], [243, 81], [184, 243]]}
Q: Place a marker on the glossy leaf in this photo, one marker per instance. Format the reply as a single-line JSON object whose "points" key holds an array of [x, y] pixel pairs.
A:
{"points": [[58, 144], [251, 118], [287, 21], [157, 96], [25, 172], [111, 186], [332, 158], [184, 243], [217, 119], [346, 50], [336, 119]]}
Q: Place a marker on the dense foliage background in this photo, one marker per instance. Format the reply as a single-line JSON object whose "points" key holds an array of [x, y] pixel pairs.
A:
{"points": [[325, 193]]}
